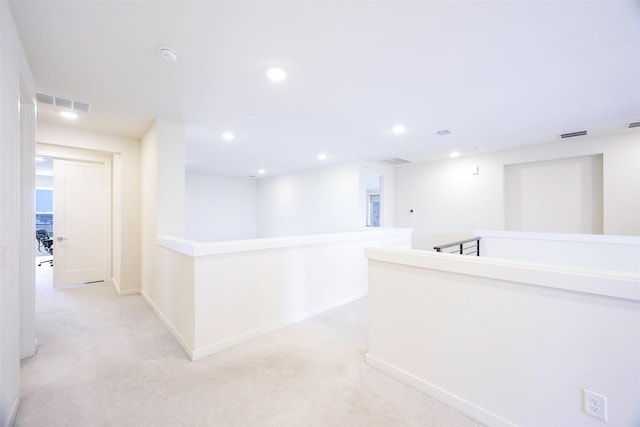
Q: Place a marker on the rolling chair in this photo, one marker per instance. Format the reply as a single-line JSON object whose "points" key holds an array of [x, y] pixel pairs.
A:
{"points": [[45, 244]]}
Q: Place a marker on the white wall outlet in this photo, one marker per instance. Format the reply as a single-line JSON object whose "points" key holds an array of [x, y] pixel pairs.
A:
{"points": [[595, 404]]}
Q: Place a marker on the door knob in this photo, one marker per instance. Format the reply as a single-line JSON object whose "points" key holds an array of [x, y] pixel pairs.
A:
{"points": [[60, 239]]}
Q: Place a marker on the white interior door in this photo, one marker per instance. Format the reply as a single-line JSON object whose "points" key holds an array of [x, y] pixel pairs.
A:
{"points": [[82, 194]]}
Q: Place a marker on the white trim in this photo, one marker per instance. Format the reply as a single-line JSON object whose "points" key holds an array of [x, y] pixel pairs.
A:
{"points": [[238, 339], [14, 411], [561, 237], [609, 284], [183, 343], [128, 292], [196, 249], [27, 178], [116, 285], [438, 393], [263, 330]]}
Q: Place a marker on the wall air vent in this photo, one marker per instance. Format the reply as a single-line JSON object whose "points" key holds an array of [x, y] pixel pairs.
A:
{"points": [[59, 101], [396, 161], [633, 125], [572, 134]]}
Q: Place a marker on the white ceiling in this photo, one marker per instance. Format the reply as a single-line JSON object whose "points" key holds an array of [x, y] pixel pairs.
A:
{"points": [[498, 74]]}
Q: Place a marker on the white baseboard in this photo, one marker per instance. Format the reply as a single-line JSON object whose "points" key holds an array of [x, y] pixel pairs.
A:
{"points": [[122, 293], [14, 411], [183, 343], [116, 285], [438, 393], [265, 329], [238, 339]]}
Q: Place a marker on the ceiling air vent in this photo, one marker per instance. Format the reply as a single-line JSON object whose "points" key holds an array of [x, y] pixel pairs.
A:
{"points": [[59, 101], [633, 125], [444, 132], [572, 134], [45, 99], [396, 161]]}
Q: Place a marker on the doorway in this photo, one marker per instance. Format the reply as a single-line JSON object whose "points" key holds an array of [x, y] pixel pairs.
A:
{"points": [[373, 197], [80, 228], [44, 212]]}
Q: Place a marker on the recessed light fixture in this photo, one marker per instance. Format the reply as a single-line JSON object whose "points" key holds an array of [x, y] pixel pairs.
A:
{"points": [[261, 171], [322, 156], [68, 115], [398, 129], [228, 136], [276, 74], [39, 159], [168, 53], [454, 154]]}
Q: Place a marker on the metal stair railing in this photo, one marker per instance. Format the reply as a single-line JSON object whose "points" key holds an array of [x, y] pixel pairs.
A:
{"points": [[463, 247]]}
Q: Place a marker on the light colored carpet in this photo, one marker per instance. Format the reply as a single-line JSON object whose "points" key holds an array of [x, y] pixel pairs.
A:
{"points": [[106, 360]]}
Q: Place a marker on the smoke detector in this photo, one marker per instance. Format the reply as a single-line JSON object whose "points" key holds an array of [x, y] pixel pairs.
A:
{"points": [[168, 53]]}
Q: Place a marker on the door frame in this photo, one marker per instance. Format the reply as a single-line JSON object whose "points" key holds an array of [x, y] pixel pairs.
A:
{"points": [[77, 154], [27, 115]]}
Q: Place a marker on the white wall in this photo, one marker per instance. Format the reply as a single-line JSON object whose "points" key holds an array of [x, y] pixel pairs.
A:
{"points": [[324, 200], [239, 290], [509, 345], [585, 251], [449, 202], [166, 281], [149, 207], [14, 71], [170, 140], [220, 208], [126, 192]]}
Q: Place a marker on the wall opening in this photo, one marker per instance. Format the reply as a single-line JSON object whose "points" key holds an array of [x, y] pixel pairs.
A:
{"points": [[559, 196], [373, 188]]}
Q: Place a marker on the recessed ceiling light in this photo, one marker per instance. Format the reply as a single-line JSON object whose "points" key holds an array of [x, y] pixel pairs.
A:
{"points": [[398, 129], [322, 156], [261, 171], [454, 154], [39, 159], [228, 136], [68, 115], [276, 74], [168, 53]]}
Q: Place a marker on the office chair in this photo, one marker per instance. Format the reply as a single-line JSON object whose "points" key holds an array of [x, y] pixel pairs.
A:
{"points": [[45, 244]]}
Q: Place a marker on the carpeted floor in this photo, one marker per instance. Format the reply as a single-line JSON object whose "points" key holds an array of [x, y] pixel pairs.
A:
{"points": [[106, 360]]}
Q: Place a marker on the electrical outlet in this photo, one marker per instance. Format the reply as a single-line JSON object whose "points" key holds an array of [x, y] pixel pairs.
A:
{"points": [[595, 404]]}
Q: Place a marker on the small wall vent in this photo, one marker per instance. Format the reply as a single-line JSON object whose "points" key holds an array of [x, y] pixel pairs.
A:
{"points": [[572, 134], [633, 125], [396, 161], [59, 101]]}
